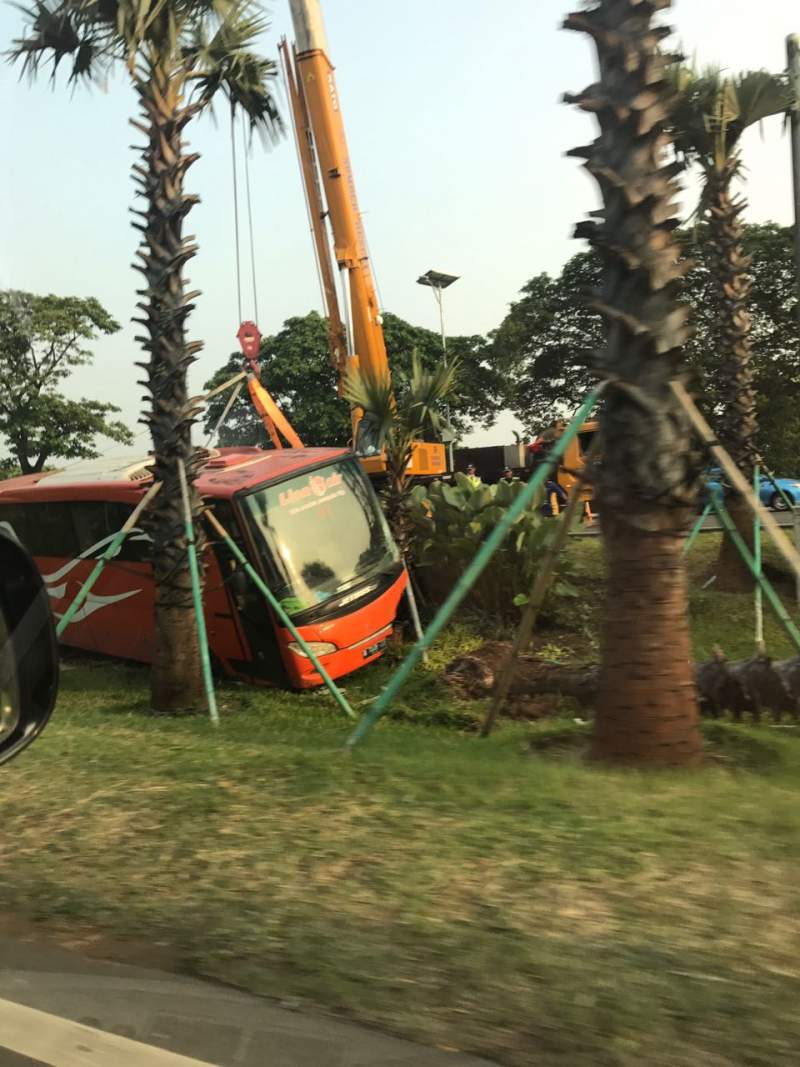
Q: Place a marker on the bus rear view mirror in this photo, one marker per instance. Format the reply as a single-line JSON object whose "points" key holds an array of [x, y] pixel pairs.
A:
{"points": [[28, 650]]}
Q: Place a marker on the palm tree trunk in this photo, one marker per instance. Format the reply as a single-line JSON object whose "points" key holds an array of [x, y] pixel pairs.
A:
{"points": [[647, 709], [176, 680], [738, 427]]}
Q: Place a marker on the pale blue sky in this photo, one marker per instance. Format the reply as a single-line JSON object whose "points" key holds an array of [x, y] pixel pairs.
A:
{"points": [[457, 139]]}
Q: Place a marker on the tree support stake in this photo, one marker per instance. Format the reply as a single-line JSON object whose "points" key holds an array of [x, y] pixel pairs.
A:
{"points": [[473, 571], [758, 593], [737, 479], [197, 597], [274, 603], [109, 553], [698, 526], [541, 584], [775, 601]]}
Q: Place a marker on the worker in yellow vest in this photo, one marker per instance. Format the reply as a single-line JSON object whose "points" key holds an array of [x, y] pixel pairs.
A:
{"points": [[472, 476]]}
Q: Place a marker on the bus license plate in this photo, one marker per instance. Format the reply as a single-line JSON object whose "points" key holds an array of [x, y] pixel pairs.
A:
{"points": [[379, 647]]}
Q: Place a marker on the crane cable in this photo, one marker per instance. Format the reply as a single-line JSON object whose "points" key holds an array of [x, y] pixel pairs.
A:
{"points": [[236, 212], [249, 200], [234, 395], [225, 412], [250, 215]]}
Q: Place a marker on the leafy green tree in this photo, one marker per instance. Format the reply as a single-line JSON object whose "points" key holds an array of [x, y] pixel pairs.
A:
{"points": [[8, 468], [42, 340], [550, 334], [774, 339], [297, 370], [477, 395], [547, 340], [180, 55]]}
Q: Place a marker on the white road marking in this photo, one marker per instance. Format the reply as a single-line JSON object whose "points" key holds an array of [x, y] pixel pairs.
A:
{"points": [[64, 1043]]}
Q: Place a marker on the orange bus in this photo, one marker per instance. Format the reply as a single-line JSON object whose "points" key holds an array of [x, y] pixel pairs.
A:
{"points": [[307, 519]]}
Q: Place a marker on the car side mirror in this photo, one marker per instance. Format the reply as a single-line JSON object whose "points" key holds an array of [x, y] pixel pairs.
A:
{"points": [[28, 650]]}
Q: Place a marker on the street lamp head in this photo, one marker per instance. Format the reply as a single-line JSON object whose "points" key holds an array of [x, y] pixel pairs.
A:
{"points": [[435, 279]]}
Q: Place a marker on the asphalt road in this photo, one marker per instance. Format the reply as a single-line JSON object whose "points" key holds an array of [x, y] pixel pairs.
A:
{"points": [[59, 1009], [711, 524]]}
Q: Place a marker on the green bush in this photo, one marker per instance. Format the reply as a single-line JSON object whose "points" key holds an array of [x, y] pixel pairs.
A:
{"points": [[451, 520]]}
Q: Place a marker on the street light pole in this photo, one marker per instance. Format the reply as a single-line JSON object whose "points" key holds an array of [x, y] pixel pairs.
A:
{"points": [[793, 66], [793, 60], [437, 290], [438, 281]]}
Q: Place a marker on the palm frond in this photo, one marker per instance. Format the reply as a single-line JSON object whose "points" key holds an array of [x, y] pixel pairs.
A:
{"points": [[426, 391], [713, 108], [411, 414], [761, 95], [224, 62], [58, 29], [372, 392]]}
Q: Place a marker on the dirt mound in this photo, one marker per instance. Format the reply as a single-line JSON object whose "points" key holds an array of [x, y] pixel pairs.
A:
{"points": [[535, 688]]}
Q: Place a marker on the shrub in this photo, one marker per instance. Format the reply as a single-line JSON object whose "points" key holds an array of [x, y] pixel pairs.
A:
{"points": [[449, 523]]}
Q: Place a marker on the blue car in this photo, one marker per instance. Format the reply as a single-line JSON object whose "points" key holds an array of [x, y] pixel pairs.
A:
{"points": [[777, 494]]}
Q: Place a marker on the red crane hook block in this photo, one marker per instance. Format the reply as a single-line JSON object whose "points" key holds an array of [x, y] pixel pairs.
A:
{"points": [[250, 340]]}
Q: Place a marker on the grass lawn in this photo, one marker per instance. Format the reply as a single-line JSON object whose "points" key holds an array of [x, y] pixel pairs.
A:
{"points": [[486, 895]]}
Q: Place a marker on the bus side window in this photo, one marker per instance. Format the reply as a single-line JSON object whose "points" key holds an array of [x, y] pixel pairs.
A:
{"points": [[50, 531], [90, 525], [225, 515], [14, 520], [138, 545], [98, 520]]}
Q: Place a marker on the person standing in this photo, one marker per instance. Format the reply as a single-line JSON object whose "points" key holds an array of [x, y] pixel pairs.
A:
{"points": [[472, 476]]}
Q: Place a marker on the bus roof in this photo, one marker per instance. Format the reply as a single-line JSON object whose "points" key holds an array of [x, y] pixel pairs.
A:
{"points": [[226, 471]]}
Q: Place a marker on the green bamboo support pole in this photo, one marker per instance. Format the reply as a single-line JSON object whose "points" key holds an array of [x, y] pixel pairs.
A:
{"points": [[109, 553], [541, 584], [698, 526], [411, 600], [473, 572], [758, 593], [197, 597], [274, 603], [790, 504], [794, 508], [790, 554], [774, 600]]}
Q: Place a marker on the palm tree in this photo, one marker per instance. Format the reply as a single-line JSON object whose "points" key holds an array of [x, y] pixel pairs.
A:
{"points": [[180, 55], [397, 422], [712, 111], [646, 704]]}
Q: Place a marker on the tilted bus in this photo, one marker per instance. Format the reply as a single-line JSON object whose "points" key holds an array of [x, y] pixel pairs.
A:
{"points": [[307, 519]]}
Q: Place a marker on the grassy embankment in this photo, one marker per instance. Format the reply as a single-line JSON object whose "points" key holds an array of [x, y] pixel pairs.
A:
{"points": [[499, 896]]}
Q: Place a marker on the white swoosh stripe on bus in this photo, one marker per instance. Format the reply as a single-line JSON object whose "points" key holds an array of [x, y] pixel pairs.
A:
{"points": [[140, 535], [94, 603]]}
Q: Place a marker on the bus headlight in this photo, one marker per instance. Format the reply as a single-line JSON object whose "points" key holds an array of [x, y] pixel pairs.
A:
{"points": [[319, 648]]}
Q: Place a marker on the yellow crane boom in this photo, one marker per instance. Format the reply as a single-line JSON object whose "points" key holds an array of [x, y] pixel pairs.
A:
{"points": [[356, 338]]}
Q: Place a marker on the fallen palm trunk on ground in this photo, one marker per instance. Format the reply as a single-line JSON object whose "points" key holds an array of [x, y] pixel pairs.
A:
{"points": [[751, 686]]}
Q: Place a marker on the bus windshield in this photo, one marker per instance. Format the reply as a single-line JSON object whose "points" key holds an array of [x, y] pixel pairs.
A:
{"points": [[320, 533]]}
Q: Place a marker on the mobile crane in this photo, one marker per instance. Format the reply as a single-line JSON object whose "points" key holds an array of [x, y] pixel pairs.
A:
{"points": [[355, 338]]}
